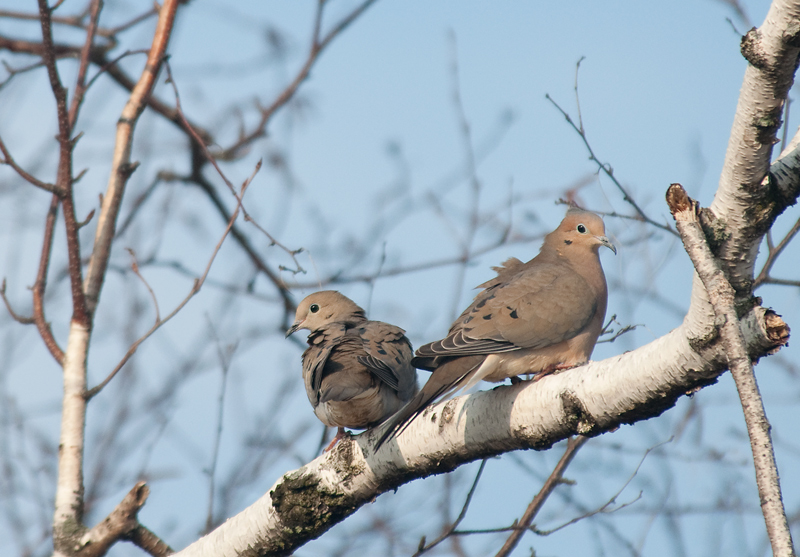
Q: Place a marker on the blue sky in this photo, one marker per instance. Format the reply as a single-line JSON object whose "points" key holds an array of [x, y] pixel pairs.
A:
{"points": [[377, 138]]}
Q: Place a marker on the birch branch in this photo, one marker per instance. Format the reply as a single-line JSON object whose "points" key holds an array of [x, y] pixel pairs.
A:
{"points": [[587, 400], [122, 167], [722, 296], [68, 524], [745, 203]]}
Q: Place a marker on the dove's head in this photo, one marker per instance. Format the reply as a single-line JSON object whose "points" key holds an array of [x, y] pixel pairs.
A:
{"points": [[580, 230], [325, 307]]}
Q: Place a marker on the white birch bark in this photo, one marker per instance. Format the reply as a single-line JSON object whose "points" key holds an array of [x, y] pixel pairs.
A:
{"points": [[590, 399], [68, 518]]}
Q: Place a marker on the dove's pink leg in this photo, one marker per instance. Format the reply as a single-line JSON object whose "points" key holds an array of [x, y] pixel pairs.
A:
{"points": [[553, 368], [340, 434]]}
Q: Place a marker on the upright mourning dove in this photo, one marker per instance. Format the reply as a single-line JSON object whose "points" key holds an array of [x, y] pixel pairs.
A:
{"points": [[356, 372], [532, 318]]}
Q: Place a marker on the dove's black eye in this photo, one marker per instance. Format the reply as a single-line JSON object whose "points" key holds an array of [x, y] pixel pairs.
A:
{"points": [[582, 229], [314, 308]]}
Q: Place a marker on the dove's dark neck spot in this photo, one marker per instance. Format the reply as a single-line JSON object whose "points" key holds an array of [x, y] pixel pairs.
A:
{"points": [[568, 242]]}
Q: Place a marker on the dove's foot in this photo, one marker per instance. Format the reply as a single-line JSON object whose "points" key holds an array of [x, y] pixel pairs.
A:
{"points": [[552, 368], [340, 434]]}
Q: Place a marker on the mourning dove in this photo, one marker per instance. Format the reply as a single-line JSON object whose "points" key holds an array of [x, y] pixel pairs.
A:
{"points": [[356, 372], [532, 318]]}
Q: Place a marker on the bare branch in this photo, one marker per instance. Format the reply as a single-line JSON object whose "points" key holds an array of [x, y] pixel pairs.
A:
{"points": [[573, 446], [721, 293], [775, 252], [14, 315], [608, 171], [224, 357], [122, 167], [135, 269], [145, 539], [607, 330], [318, 46], [212, 160], [9, 160], [423, 547], [117, 525], [198, 284], [64, 173], [80, 81], [41, 283]]}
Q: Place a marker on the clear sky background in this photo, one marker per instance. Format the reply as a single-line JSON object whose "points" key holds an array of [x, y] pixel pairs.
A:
{"points": [[376, 180]]}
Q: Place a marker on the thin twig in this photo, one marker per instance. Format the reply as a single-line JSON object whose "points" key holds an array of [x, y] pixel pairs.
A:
{"points": [[14, 315], [135, 269], [198, 284], [555, 478], [9, 160], [80, 80], [473, 221], [225, 364], [449, 531], [774, 252], [208, 156], [607, 330], [198, 178], [608, 171], [318, 45], [605, 508], [105, 67]]}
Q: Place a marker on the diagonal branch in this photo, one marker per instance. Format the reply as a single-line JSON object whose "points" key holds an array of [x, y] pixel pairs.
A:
{"points": [[122, 167], [423, 547], [198, 284], [587, 400], [123, 524], [772, 256], [722, 296], [80, 82], [9, 160], [41, 282], [573, 446], [318, 46], [605, 167]]}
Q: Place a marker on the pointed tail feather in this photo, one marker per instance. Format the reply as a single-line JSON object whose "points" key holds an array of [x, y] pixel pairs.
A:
{"points": [[442, 383]]}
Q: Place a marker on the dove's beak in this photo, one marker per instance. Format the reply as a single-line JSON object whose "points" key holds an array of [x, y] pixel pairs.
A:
{"points": [[293, 328], [604, 241]]}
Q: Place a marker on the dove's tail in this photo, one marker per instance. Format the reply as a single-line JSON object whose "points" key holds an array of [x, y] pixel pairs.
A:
{"points": [[451, 376]]}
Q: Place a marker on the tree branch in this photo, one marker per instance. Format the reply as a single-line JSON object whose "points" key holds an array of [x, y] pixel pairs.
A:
{"points": [[745, 181], [198, 284], [685, 210], [9, 160], [117, 525], [318, 45], [573, 446], [423, 547], [41, 283], [122, 167], [587, 400], [80, 81]]}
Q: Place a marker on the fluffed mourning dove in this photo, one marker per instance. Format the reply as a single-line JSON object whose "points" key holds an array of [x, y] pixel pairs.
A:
{"points": [[356, 372], [532, 318]]}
